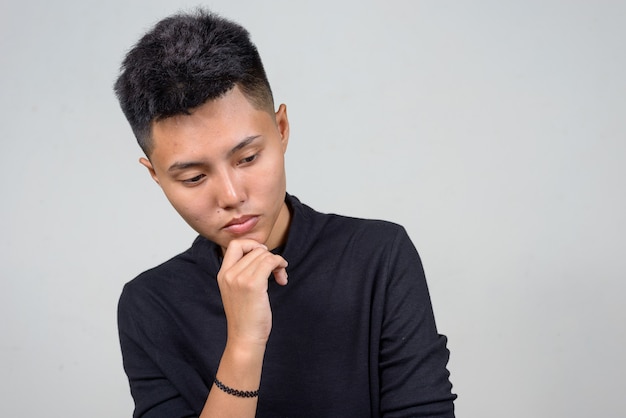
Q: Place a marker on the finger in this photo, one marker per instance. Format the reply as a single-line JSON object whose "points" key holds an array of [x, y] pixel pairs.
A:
{"points": [[250, 263], [256, 266], [261, 263], [280, 275], [237, 249]]}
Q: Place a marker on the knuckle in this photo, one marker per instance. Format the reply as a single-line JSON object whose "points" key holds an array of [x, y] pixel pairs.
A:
{"points": [[268, 258]]}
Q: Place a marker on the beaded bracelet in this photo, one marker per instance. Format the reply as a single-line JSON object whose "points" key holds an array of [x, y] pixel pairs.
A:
{"points": [[235, 392]]}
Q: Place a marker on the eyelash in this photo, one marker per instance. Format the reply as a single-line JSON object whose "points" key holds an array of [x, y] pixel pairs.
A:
{"points": [[248, 159], [196, 179]]}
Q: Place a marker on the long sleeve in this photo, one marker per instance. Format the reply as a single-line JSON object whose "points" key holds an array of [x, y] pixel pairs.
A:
{"points": [[165, 329], [414, 381], [353, 333], [154, 394]]}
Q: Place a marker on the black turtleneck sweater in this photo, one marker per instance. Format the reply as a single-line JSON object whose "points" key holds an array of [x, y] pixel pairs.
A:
{"points": [[353, 332]]}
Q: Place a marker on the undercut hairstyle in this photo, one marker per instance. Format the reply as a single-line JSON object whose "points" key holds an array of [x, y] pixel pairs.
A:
{"points": [[185, 61]]}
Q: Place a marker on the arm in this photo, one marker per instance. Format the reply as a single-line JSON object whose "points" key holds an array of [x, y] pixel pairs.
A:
{"points": [[243, 286], [413, 356], [163, 382]]}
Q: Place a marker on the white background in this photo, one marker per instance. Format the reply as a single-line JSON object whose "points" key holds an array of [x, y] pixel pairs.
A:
{"points": [[493, 130]]}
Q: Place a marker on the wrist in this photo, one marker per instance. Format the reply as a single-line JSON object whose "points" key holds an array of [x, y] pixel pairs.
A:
{"points": [[241, 365], [243, 356], [244, 351], [236, 392]]}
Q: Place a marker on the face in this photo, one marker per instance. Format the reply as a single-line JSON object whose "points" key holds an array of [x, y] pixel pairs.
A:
{"points": [[222, 168]]}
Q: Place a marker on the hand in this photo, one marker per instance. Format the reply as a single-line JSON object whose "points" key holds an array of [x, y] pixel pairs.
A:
{"points": [[243, 283]]}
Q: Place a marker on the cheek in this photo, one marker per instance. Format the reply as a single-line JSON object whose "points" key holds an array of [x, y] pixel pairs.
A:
{"points": [[270, 182], [273, 173], [190, 206]]}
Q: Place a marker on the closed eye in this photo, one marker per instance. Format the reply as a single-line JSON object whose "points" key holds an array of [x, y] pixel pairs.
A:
{"points": [[248, 160], [195, 179]]}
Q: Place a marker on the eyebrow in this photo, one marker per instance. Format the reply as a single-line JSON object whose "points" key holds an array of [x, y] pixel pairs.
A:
{"points": [[247, 141], [177, 166]]}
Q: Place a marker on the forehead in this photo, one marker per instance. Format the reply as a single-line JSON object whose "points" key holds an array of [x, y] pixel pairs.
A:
{"points": [[213, 126]]}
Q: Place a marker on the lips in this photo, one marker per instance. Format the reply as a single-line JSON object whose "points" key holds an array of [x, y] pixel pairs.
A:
{"points": [[241, 225]]}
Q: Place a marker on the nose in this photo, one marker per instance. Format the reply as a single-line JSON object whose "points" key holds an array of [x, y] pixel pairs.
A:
{"points": [[229, 192]]}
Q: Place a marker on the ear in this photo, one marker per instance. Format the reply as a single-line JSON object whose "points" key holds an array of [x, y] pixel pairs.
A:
{"points": [[146, 163], [282, 122]]}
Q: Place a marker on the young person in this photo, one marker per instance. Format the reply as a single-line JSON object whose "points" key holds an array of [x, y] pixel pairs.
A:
{"points": [[276, 310]]}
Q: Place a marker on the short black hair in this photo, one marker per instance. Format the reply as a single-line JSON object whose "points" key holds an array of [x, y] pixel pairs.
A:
{"points": [[186, 60]]}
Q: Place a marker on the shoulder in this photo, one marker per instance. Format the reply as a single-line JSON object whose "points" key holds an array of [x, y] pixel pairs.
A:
{"points": [[338, 226], [172, 277], [163, 271], [377, 227], [376, 232], [357, 239]]}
